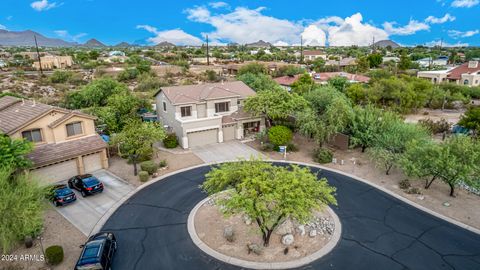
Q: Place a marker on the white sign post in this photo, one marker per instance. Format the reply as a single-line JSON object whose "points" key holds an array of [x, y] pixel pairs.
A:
{"points": [[283, 149]]}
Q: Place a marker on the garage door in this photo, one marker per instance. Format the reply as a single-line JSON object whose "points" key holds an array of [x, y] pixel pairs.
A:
{"points": [[203, 137], [56, 172], [228, 133], [92, 162]]}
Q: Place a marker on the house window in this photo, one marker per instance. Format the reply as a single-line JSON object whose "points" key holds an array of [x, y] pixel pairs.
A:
{"points": [[164, 106], [74, 129], [221, 107], [186, 111], [34, 135], [239, 102], [465, 82]]}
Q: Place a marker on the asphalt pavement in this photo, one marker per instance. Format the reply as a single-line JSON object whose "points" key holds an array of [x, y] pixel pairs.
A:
{"points": [[378, 231]]}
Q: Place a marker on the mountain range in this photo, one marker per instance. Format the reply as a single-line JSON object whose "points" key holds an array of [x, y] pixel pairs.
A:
{"points": [[27, 38]]}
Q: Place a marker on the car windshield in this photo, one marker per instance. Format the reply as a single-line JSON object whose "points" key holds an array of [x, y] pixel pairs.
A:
{"points": [[63, 191], [90, 181], [91, 251]]}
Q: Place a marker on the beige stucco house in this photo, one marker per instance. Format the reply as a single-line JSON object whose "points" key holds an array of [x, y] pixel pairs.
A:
{"points": [[465, 74], [66, 143], [53, 62], [207, 113]]}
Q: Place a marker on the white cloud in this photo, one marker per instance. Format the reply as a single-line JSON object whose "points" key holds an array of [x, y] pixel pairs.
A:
{"points": [[445, 44], [412, 27], [444, 19], [243, 25], [66, 35], [43, 5], [218, 4], [175, 36], [314, 36], [353, 31], [460, 34], [465, 3], [3, 27]]}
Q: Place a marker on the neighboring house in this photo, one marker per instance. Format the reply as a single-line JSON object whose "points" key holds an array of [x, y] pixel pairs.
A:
{"points": [[116, 53], [429, 62], [2, 63], [65, 141], [53, 62], [390, 59], [312, 55], [323, 77], [287, 81], [207, 113], [466, 74], [344, 62], [203, 60]]}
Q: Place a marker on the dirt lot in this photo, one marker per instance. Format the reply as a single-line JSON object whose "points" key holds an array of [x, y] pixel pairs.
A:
{"points": [[210, 224], [121, 168], [452, 116], [464, 207], [57, 231]]}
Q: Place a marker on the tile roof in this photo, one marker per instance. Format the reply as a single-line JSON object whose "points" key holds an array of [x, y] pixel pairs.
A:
{"points": [[56, 152], [15, 112], [325, 76], [287, 80], [457, 72], [68, 116], [203, 92]]}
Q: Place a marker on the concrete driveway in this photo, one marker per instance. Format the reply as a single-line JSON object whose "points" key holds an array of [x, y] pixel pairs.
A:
{"points": [[231, 150], [86, 212]]}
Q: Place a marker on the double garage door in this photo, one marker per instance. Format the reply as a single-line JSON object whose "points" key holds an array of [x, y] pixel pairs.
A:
{"points": [[67, 169], [204, 137]]}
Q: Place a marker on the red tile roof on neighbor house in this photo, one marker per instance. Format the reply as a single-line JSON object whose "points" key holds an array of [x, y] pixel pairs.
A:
{"points": [[466, 68], [202, 92], [287, 80], [325, 76]]}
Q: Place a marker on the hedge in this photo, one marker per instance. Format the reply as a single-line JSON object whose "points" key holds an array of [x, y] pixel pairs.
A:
{"points": [[54, 255]]}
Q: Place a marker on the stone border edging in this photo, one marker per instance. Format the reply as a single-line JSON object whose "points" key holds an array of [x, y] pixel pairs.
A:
{"points": [[262, 265], [107, 214]]}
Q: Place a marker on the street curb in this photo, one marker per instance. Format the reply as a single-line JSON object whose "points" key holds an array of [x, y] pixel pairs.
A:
{"points": [[107, 214], [263, 265]]}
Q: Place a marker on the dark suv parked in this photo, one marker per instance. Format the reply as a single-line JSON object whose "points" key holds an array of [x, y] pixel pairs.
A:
{"points": [[87, 184], [61, 195], [97, 253]]}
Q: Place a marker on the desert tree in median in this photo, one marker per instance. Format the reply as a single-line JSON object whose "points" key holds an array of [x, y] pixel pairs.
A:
{"points": [[21, 207], [421, 160], [138, 137], [366, 124], [267, 193]]}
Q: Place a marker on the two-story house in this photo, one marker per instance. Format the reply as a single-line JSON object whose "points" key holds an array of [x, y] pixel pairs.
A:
{"points": [[66, 143], [207, 113]]}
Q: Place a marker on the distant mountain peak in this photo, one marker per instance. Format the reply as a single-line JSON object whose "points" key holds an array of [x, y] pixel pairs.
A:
{"points": [[123, 45], [259, 43], [165, 44], [386, 43], [94, 43], [26, 38]]}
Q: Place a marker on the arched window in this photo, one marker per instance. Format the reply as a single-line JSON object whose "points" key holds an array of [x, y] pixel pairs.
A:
{"points": [[465, 82]]}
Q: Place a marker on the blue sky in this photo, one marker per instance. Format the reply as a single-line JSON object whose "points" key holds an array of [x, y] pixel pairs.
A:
{"points": [[280, 22]]}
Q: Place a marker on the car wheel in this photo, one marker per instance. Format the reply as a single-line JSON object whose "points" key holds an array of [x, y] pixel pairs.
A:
{"points": [[83, 193], [56, 204], [70, 185]]}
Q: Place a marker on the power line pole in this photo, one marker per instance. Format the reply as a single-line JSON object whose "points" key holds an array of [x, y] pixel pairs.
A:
{"points": [[208, 54], [38, 56], [301, 49]]}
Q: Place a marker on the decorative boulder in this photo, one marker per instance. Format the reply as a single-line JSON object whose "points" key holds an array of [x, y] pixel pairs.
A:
{"points": [[301, 230], [313, 233], [286, 227], [288, 239], [256, 249], [247, 219], [229, 234]]}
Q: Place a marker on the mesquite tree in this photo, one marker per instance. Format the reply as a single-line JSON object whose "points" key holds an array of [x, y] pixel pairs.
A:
{"points": [[267, 193]]}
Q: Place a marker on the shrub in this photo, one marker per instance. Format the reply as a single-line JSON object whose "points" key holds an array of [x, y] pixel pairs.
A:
{"points": [[143, 176], [435, 127], [60, 76], [170, 141], [128, 74], [323, 155], [279, 135], [149, 166], [162, 163], [54, 255], [404, 184], [292, 147], [266, 147], [413, 190]]}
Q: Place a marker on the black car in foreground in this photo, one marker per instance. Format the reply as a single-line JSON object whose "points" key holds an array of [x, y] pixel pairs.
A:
{"points": [[87, 184], [61, 195], [97, 253]]}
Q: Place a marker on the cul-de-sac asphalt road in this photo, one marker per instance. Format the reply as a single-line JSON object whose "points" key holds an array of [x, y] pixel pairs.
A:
{"points": [[378, 231]]}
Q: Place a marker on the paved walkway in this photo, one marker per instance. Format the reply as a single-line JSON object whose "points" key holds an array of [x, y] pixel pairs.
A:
{"points": [[220, 152], [378, 230]]}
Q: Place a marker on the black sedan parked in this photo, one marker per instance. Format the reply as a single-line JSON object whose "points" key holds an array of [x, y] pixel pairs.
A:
{"points": [[61, 195], [87, 184], [98, 252]]}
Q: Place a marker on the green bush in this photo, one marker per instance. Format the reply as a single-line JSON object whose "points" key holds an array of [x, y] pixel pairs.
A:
{"points": [[323, 155], [162, 163], [279, 135], [404, 184], [54, 255], [292, 147], [149, 166], [60, 76], [170, 141], [435, 127], [143, 176]]}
